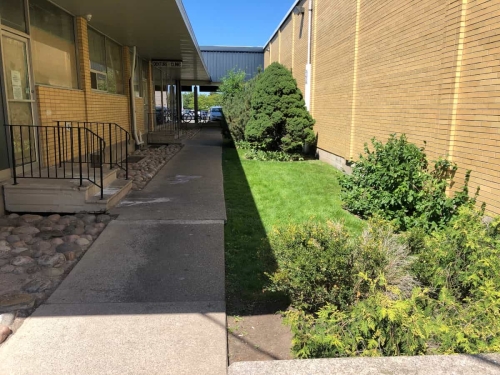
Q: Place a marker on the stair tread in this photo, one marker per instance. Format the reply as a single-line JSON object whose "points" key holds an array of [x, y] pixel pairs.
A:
{"points": [[110, 191]]}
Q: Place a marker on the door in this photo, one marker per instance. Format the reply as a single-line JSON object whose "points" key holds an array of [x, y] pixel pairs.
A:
{"points": [[18, 89]]}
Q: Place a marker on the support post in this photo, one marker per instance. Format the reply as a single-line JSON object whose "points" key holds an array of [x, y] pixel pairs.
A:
{"points": [[196, 117]]}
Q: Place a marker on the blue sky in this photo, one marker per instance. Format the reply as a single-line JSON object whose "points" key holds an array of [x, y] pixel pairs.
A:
{"points": [[235, 22]]}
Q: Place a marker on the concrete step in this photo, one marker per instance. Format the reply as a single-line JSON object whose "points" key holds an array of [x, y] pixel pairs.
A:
{"points": [[113, 194], [65, 196]]}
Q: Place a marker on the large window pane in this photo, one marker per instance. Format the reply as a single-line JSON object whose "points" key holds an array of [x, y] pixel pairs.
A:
{"points": [[114, 67], [53, 45], [12, 13]]}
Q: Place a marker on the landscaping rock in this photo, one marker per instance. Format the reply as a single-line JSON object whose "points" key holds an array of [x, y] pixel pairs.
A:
{"points": [[54, 218], [32, 218], [89, 219], [92, 230], [79, 231], [5, 252], [20, 251], [4, 235], [54, 260], [4, 333], [27, 238], [56, 241], [59, 227], [7, 319], [71, 238], [47, 235], [13, 238], [82, 242], [26, 230], [18, 244], [3, 262], [70, 250], [53, 272], [15, 302], [8, 268], [103, 219], [22, 261], [42, 248], [37, 285]]}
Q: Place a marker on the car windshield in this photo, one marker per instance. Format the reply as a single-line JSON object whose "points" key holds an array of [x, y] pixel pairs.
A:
{"points": [[216, 110]]}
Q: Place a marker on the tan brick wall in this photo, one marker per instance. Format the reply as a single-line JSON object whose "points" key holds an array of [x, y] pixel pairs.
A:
{"points": [[428, 69]]}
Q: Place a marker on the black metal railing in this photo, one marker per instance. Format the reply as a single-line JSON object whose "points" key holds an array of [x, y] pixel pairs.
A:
{"points": [[117, 138], [56, 152], [166, 123]]}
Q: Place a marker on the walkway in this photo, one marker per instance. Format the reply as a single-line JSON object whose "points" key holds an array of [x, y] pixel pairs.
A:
{"points": [[148, 297]]}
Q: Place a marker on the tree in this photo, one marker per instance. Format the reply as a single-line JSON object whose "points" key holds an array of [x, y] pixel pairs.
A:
{"points": [[232, 84], [188, 100], [279, 119]]}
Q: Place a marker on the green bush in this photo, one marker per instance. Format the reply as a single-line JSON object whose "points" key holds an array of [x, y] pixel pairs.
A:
{"points": [[253, 154], [279, 120], [395, 182], [237, 95], [443, 299], [314, 265]]}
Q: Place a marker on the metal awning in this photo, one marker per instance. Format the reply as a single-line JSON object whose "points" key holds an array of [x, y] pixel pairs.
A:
{"points": [[159, 28]]}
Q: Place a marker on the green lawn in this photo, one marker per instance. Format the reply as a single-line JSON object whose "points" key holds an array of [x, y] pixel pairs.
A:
{"points": [[261, 196]]}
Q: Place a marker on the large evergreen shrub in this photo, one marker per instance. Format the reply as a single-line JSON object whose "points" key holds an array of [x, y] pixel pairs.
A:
{"points": [[279, 120]]}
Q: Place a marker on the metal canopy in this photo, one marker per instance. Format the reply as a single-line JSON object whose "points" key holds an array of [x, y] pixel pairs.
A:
{"points": [[159, 28]]}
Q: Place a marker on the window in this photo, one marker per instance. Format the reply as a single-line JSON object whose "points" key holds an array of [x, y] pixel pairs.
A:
{"points": [[12, 13], [106, 67], [53, 45]]}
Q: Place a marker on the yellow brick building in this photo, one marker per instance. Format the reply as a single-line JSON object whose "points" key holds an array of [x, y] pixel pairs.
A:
{"points": [[429, 69]]}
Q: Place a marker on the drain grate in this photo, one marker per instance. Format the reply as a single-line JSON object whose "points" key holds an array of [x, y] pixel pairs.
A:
{"points": [[134, 159]]}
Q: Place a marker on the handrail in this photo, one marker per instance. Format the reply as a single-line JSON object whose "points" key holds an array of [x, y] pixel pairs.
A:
{"points": [[116, 137], [51, 152]]}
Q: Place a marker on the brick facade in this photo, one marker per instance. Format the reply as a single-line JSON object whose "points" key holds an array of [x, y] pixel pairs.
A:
{"points": [[428, 69]]}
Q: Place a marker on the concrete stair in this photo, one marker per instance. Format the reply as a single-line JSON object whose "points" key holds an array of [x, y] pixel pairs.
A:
{"points": [[42, 195]]}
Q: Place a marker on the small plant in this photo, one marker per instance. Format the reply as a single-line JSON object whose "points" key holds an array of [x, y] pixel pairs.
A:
{"points": [[315, 265], [260, 155], [395, 182]]}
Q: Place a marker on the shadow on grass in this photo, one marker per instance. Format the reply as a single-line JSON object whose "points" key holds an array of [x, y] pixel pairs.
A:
{"points": [[248, 251]]}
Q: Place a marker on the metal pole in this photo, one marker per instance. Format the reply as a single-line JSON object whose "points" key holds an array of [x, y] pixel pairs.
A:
{"points": [[162, 104], [196, 117], [13, 152], [110, 147], [80, 155]]}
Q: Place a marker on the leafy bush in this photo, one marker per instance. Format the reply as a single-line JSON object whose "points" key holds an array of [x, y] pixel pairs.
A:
{"points": [[260, 155], [395, 182], [314, 265], [237, 95], [278, 119], [455, 309]]}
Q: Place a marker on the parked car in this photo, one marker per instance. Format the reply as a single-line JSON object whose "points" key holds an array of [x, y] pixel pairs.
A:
{"points": [[215, 114]]}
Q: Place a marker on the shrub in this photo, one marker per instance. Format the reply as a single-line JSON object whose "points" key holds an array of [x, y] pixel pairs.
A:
{"points": [[314, 265], [394, 181], [260, 155], [278, 118]]}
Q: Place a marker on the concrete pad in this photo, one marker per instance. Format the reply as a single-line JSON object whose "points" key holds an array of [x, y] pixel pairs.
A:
{"points": [[149, 261], [422, 365], [190, 185], [119, 339]]}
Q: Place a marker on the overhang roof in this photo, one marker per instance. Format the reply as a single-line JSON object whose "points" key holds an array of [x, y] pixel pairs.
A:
{"points": [[160, 29]]}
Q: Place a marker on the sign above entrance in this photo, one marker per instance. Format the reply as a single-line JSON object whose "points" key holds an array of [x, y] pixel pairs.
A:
{"points": [[166, 64]]}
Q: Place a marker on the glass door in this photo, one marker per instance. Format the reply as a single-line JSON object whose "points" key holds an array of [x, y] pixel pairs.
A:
{"points": [[19, 96]]}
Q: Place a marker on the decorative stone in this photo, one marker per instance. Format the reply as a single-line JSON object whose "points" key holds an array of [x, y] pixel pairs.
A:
{"points": [[4, 235], [56, 241], [4, 333], [26, 238], [89, 219], [50, 234], [13, 238], [53, 272], [3, 262], [45, 223], [92, 230], [7, 319], [71, 238], [70, 250], [31, 269], [32, 218], [19, 270], [20, 251], [54, 260], [59, 227], [88, 237], [18, 244], [64, 221], [26, 230], [8, 268], [100, 226], [79, 231], [82, 242], [37, 285], [42, 248], [22, 261], [13, 216], [15, 302], [54, 218]]}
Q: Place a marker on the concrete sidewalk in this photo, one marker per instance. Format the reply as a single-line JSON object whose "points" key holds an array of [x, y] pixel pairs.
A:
{"points": [[148, 297]]}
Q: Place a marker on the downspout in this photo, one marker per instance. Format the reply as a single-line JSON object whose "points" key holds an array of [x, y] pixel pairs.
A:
{"points": [[308, 65], [133, 121]]}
